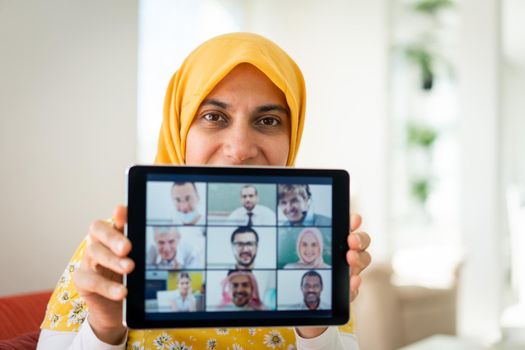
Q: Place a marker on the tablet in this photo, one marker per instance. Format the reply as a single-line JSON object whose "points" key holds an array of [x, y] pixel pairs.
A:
{"points": [[237, 247]]}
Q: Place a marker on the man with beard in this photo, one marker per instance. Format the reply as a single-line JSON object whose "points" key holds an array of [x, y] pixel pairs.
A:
{"points": [[295, 202], [240, 292], [186, 199], [312, 286], [251, 213], [244, 242]]}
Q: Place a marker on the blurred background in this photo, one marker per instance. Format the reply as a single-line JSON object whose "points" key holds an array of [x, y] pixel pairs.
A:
{"points": [[422, 101]]}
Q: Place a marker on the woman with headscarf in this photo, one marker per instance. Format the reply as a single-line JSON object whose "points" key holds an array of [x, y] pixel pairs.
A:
{"points": [[238, 99], [309, 248]]}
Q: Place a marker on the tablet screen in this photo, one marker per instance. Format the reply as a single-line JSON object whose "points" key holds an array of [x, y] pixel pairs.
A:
{"points": [[239, 246]]}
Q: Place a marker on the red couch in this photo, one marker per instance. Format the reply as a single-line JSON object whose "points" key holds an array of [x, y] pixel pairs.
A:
{"points": [[20, 319]]}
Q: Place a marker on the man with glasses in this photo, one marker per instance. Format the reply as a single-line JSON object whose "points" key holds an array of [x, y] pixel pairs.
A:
{"points": [[244, 242]]}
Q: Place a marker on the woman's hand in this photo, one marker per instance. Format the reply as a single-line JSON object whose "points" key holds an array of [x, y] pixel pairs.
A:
{"points": [[98, 280], [358, 259], [357, 256]]}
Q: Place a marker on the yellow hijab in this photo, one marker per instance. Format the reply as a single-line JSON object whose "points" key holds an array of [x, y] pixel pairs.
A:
{"points": [[205, 67]]}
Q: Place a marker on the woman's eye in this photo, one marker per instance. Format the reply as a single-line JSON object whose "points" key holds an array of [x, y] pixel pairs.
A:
{"points": [[214, 117], [269, 121]]}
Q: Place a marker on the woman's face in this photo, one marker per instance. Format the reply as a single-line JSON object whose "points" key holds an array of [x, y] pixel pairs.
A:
{"points": [[184, 285], [243, 121], [309, 248]]}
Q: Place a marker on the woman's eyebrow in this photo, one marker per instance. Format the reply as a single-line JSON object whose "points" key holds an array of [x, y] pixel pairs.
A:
{"points": [[214, 102], [272, 107], [260, 109]]}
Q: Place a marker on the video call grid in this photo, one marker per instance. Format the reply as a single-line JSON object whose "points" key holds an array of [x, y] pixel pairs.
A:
{"points": [[278, 227]]}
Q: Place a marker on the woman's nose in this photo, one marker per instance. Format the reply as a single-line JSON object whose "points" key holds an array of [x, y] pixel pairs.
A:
{"points": [[241, 144]]}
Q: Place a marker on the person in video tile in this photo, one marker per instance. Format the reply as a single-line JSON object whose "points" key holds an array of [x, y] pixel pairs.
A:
{"points": [[309, 249], [240, 292], [311, 287], [251, 212], [186, 199], [183, 298], [169, 254], [295, 202], [244, 242]]}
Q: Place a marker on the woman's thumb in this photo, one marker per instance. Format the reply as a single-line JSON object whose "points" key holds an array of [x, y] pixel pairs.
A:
{"points": [[120, 217]]}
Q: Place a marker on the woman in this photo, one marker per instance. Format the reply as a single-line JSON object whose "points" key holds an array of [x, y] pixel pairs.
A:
{"points": [[238, 99], [183, 300], [309, 249]]}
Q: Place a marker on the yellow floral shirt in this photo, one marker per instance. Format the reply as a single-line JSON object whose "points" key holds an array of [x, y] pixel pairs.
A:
{"points": [[67, 311]]}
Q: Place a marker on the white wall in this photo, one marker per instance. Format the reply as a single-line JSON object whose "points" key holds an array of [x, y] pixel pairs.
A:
{"points": [[67, 128], [513, 156], [513, 82], [480, 286], [341, 47]]}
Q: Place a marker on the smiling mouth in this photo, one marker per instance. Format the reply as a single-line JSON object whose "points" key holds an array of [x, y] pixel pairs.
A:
{"points": [[241, 296], [294, 214], [167, 255]]}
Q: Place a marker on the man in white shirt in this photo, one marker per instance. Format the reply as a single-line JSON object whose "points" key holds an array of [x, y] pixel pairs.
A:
{"points": [[251, 213], [168, 253], [186, 200]]}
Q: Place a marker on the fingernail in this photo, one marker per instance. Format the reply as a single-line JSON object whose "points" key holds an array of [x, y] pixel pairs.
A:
{"points": [[116, 291]]}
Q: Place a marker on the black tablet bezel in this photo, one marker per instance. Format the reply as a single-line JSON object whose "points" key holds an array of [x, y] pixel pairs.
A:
{"points": [[134, 309]]}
